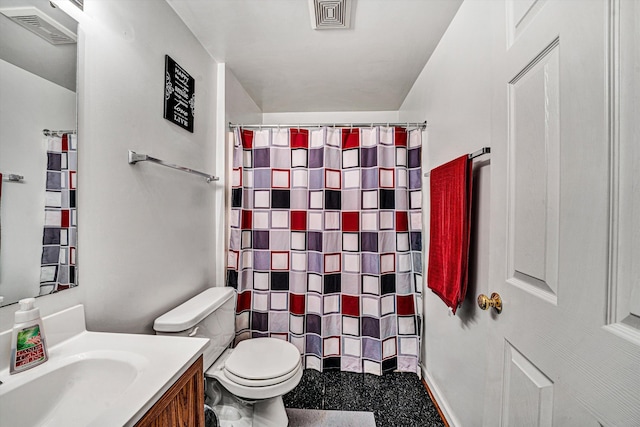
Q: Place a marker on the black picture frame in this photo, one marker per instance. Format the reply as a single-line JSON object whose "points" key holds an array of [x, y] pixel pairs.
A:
{"points": [[179, 95]]}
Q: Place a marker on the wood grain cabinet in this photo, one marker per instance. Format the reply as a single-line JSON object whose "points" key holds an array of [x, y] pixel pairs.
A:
{"points": [[182, 405]]}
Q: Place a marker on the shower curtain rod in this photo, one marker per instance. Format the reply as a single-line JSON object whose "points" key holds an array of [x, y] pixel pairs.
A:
{"points": [[417, 125], [48, 132]]}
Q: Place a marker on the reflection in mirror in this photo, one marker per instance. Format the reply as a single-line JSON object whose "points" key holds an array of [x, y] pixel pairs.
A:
{"points": [[38, 54]]}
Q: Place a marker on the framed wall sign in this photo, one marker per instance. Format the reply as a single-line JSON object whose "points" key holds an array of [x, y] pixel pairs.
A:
{"points": [[179, 95]]}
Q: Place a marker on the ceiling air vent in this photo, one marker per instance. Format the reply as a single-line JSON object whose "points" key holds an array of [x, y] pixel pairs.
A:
{"points": [[330, 14], [38, 22], [78, 3]]}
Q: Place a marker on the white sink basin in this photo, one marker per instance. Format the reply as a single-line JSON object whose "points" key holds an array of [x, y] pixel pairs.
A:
{"points": [[73, 391], [95, 379]]}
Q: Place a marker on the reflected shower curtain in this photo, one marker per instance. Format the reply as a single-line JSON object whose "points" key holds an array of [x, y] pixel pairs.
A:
{"points": [[58, 263], [326, 244]]}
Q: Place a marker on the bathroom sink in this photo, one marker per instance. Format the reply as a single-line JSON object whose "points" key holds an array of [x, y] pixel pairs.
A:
{"points": [[92, 378], [72, 391]]}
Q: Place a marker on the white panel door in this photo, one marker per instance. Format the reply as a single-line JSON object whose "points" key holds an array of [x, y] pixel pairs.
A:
{"points": [[565, 351]]}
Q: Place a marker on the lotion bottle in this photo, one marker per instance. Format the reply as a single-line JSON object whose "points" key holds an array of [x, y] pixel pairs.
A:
{"points": [[28, 345]]}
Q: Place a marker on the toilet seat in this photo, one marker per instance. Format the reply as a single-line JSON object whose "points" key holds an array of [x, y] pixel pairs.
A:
{"points": [[262, 362], [257, 389], [256, 393], [260, 383]]}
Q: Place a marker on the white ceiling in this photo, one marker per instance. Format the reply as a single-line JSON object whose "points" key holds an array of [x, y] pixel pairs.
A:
{"points": [[286, 66]]}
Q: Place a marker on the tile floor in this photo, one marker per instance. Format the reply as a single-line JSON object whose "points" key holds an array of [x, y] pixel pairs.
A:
{"points": [[396, 399], [321, 418]]}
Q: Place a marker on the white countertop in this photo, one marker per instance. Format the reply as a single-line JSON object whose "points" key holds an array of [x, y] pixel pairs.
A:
{"points": [[116, 378]]}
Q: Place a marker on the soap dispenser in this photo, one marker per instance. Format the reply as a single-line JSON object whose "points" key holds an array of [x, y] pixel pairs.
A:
{"points": [[28, 346]]}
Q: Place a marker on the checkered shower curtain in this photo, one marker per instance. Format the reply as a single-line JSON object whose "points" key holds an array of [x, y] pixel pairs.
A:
{"points": [[326, 244], [58, 263]]}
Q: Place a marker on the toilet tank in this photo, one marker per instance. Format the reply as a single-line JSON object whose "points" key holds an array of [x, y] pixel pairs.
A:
{"points": [[210, 314]]}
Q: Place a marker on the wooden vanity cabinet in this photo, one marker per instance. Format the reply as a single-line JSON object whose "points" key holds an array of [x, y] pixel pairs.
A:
{"points": [[182, 405]]}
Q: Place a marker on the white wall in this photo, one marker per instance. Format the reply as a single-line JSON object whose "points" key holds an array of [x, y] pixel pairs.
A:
{"points": [[453, 92], [145, 231], [233, 105], [331, 117], [239, 106]]}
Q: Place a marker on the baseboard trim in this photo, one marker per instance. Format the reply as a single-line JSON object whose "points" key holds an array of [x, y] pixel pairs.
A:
{"points": [[438, 399]]}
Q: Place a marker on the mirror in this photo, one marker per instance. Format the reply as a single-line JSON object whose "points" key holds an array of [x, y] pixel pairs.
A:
{"points": [[37, 91]]}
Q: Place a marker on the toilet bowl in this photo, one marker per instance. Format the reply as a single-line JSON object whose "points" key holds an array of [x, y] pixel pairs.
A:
{"points": [[254, 375]]}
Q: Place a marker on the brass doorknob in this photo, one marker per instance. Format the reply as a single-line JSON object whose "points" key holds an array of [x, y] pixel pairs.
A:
{"points": [[484, 302]]}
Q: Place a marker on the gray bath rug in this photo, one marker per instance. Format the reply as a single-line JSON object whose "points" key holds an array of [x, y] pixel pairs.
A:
{"points": [[318, 418]]}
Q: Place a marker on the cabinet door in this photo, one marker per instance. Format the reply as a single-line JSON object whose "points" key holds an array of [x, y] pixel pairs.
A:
{"points": [[182, 405]]}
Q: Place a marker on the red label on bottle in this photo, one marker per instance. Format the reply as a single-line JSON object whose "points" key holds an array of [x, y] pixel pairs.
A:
{"points": [[29, 346]]}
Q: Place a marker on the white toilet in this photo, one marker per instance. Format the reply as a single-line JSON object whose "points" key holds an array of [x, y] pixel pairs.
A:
{"points": [[254, 375]]}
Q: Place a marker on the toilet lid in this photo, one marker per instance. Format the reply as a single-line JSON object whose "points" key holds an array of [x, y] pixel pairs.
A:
{"points": [[262, 359]]}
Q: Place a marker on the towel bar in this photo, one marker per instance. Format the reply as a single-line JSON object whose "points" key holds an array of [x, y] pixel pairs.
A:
{"points": [[12, 177], [135, 158], [480, 152]]}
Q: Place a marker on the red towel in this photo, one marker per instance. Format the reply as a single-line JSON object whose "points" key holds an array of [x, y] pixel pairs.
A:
{"points": [[449, 233]]}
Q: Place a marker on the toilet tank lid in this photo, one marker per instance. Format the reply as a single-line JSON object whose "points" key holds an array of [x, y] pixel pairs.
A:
{"points": [[189, 313]]}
